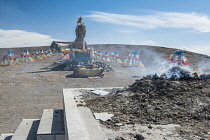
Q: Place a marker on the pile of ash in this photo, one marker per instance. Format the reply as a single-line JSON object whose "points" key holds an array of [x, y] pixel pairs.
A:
{"points": [[68, 65], [160, 101], [178, 73]]}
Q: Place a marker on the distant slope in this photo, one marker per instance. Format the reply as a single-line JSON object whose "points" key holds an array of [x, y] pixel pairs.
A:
{"points": [[149, 55]]}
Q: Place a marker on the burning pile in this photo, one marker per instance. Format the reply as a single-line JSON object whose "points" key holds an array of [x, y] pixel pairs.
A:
{"points": [[159, 101], [177, 73]]}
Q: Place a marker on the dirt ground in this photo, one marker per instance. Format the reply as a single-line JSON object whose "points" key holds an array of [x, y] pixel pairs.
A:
{"points": [[28, 89]]}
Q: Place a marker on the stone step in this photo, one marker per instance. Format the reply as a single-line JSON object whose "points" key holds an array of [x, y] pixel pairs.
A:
{"points": [[79, 122], [6, 136], [51, 125], [26, 130]]}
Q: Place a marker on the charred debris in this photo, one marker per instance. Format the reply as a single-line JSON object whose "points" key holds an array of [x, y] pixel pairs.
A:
{"points": [[68, 65], [183, 98]]}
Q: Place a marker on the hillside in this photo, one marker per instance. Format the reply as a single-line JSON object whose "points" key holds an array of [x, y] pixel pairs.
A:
{"points": [[149, 55]]}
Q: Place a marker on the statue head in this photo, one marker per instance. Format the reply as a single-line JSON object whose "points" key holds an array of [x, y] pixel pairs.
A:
{"points": [[79, 20]]}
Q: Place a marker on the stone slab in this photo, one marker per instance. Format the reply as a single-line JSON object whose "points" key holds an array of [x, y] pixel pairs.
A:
{"points": [[7, 136], [52, 122], [26, 130], [104, 116], [99, 92], [51, 125]]}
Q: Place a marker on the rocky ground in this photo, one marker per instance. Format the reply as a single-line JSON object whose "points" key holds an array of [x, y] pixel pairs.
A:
{"points": [[28, 89]]}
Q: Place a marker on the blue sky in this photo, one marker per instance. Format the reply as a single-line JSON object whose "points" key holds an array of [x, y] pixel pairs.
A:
{"points": [[183, 24]]}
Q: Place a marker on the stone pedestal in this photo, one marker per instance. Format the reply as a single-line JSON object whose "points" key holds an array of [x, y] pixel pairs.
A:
{"points": [[80, 43]]}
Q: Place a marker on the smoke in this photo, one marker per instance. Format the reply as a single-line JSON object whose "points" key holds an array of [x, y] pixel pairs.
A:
{"points": [[153, 58], [152, 61], [150, 58], [203, 67]]}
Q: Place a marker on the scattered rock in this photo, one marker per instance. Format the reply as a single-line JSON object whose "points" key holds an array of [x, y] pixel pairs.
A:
{"points": [[139, 137], [119, 138], [150, 127]]}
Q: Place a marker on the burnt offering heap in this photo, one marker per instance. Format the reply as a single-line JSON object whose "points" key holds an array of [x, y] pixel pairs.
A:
{"points": [[159, 101]]}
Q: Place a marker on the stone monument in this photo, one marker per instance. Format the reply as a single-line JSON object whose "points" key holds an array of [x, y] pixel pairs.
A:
{"points": [[80, 31]]}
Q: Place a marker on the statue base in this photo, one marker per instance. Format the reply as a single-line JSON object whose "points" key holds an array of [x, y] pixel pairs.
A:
{"points": [[80, 43]]}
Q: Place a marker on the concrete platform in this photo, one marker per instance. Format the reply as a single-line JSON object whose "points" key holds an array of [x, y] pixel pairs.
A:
{"points": [[51, 125], [26, 130], [80, 123], [7, 136]]}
